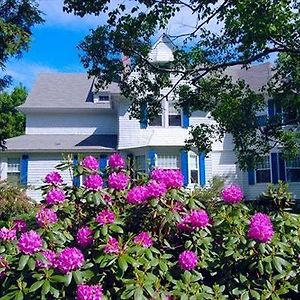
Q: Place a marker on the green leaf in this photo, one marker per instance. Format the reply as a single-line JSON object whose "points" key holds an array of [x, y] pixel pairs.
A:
{"points": [[77, 276], [31, 264], [46, 287], [138, 294], [58, 278], [116, 228], [277, 264], [22, 262], [19, 296], [36, 286], [122, 263]]}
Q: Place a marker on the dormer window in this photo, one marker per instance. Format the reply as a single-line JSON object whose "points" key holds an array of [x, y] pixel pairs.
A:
{"points": [[102, 97]]}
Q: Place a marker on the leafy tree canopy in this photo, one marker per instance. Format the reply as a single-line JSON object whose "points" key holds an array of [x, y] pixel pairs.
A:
{"points": [[12, 122], [249, 32]]}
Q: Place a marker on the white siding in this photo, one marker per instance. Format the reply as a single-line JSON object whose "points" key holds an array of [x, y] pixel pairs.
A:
{"points": [[72, 123]]}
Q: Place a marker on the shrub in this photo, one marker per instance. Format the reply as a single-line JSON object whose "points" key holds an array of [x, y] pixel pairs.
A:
{"points": [[13, 201], [158, 243]]}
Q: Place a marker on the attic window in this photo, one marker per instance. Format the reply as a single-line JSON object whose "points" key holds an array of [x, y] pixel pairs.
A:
{"points": [[101, 97]]}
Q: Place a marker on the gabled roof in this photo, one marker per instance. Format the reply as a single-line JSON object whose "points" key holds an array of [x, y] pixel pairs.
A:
{"points": [[162, 50], [64, 90]]}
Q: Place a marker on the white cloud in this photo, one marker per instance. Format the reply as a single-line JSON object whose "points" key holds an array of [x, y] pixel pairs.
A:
{"points": [[26, 72]]}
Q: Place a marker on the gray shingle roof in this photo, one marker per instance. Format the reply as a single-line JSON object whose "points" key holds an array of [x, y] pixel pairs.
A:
{"points": [[62, 143], [64, 90]]}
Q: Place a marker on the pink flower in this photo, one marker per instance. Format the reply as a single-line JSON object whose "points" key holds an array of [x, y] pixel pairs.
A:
{"points": [[155, 189], [137, 195], [93, 182], [188, 260], [53, 178], [45, 217], [143, 239], [55, 195], [172, 179], [116, 161], [118, 181], [105, 217], [112, 246], [261, 228], [84, 236], [89, 292], [8, 234], [50, 260], [90, 162], [199, 218], [70, 259], [30, 242], [232, 194], [20, 225]]}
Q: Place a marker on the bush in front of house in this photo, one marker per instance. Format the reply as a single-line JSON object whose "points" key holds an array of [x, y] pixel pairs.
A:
{"points": [[117, 237]]}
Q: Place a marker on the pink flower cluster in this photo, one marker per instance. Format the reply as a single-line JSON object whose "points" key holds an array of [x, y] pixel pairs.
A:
{"points": [[116, 161], [155, 189], [20, 225], [93, 182], [105, 217], [90, 162], [46, 217], [70, 259], [89, 292], [30, 242], [172, 179], [8, 234], [232, 194], [112, 246], [50, 260], [195, 219], [53, 178], [261, 228], [55, 195], [188, 260], [118, 181], [143, 239], [137, 195], [84, 236]]}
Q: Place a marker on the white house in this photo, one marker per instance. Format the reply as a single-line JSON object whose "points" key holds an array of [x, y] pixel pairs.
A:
{"points": [[64, 114]]}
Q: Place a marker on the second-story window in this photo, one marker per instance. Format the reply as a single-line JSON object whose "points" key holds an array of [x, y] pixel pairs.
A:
{"points": [[263, 171], [293, 170], [174, 116], [157, 121]]}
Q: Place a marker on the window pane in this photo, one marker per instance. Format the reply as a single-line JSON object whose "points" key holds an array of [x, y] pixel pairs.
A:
{"points": [[295, 163], [194, 176], [174, 120], [193, 161], [263, 176], [13, 178], [293, 175], [172, 109], [140, 163], [265, 164], [157, 121], [168, 161], [13, 165]]}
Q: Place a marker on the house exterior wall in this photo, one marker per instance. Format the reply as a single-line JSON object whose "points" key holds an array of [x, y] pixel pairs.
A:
{"points": [[72, 123]]}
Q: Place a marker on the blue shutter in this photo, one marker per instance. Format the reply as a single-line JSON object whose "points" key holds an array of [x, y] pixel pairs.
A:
{"points": [[184, 167], [185, 120], [24, 170], [281, 162], [274, 165], [144, 117], [102, 162], [202, 169], [251, 177], [151, 158], [271, 108], [76, 179]]}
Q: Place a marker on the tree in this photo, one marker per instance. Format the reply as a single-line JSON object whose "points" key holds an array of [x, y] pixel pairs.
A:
{"points": [[12, 122], [17, 17], [249, 32]]}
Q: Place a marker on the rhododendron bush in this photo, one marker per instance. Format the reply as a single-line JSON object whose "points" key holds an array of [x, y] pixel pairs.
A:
{"points": [[126, 236]]}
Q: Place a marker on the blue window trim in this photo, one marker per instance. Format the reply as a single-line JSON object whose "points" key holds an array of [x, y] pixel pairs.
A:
{"points": [[151, 158], [102, 162], [202, 169], [274, 167], [24, 170], [184, 166], [185, 120], [76, 179]]}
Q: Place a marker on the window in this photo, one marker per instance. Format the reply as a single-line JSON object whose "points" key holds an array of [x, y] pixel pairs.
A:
{"points": [[168, 161], [157, 121], [140, 163], [13, 171], [174, 115], [194, 168], [101, 97], [293, 170], [263, 171]]}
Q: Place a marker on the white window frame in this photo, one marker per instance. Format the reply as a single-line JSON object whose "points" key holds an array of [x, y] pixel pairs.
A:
{"points": [[263, 169], [97, 96], [16, 168], [291, 167], [163, 157], [191, 153]]}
